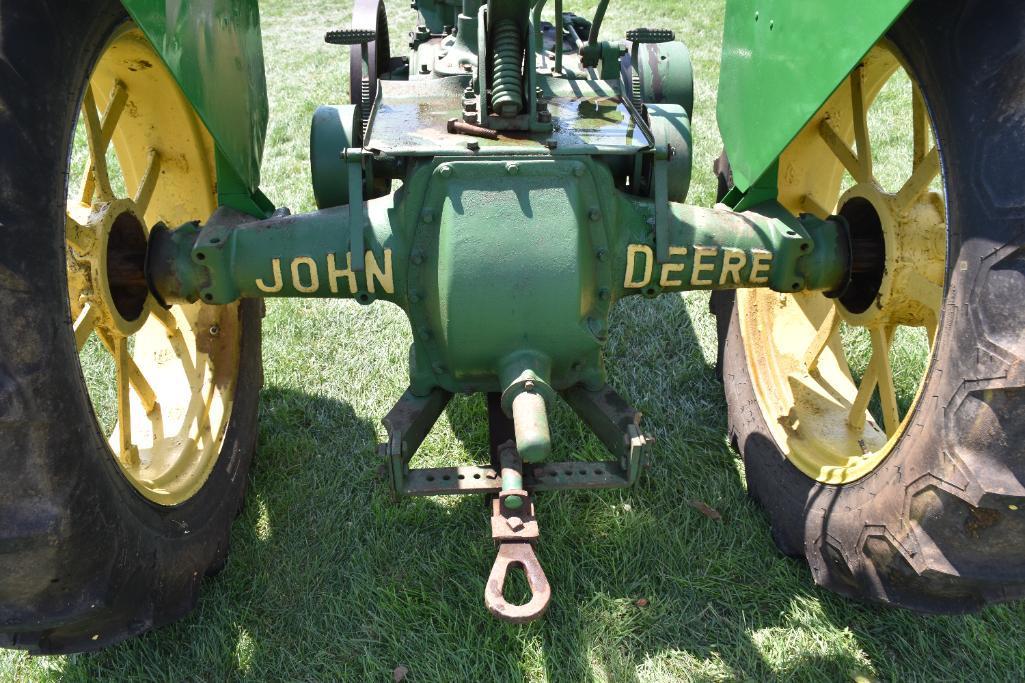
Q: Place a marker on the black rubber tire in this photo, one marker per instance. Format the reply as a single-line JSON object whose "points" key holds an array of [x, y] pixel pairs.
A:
{"points": [[940, 525], [85, 560]]}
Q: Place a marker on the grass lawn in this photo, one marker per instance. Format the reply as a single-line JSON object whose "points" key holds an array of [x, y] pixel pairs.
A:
{"points": [[330, 580]]}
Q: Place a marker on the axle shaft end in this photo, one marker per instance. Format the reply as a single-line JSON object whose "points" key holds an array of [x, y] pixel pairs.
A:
{"points": [[530, 419]]}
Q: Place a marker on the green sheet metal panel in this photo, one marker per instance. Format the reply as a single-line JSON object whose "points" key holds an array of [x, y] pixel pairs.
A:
{"points": [[215, 51], [781, 60]]}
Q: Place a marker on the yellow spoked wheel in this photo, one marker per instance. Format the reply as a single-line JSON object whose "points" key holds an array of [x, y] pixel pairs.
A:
{"points": [[837, 379], [165, 393]]}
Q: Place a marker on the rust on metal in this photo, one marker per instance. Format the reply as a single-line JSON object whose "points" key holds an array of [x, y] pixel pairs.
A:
{"points": [[514, 528], [517, 554], [458, 127], [514, 525]]}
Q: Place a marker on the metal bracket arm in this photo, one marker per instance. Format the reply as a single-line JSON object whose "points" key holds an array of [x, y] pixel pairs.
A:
{"points": [[408, 424], [355, 159]]}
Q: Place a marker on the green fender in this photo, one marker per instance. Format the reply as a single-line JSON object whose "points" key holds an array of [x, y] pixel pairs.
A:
{"points": [[214, 49], [781, 60]]}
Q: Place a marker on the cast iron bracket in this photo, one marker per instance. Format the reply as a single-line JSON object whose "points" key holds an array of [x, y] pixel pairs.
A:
{"points": [[610, 417]]}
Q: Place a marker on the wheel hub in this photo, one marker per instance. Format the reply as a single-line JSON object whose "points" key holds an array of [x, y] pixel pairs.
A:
{"points": [[898, 258], [106, 260]]}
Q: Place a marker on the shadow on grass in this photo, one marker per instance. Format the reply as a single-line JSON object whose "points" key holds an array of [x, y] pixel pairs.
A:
{"points": [[329, 579]]}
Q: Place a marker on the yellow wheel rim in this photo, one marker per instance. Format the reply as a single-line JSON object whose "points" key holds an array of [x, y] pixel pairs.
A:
{"points": [[832, 407], [168, 397]]}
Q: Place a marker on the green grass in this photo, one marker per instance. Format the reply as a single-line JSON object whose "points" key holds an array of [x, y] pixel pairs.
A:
{"points": [[330, 580]]}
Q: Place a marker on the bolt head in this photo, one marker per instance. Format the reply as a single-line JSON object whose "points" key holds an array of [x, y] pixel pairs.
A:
{"points": [[417, 257], [594, 214], [473, 146], [215, 330], [512, 168], [578, 171], [427, 216], [445, 170], [597, 328], [515, 523], [528, 386]]}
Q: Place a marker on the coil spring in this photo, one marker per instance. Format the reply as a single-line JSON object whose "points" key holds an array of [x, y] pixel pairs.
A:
{"points": [[507, 86]]}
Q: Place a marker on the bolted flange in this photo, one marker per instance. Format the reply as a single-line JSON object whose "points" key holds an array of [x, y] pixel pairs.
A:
{"points": [[106, 260]]}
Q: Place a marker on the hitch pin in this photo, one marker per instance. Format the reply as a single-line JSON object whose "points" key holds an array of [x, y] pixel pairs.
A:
{"points": [[514, 528]]}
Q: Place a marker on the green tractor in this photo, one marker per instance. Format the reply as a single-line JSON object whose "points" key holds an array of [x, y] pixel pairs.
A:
{"points": [[506, 182]]}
